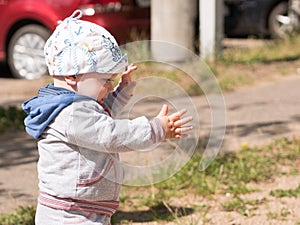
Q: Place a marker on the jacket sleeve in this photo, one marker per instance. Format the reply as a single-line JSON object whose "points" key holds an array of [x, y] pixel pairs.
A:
{"points": [[119, 98], [90, 127]]}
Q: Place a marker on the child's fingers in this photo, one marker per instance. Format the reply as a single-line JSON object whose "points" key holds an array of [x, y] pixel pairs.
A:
{"points": [[126, 78], [181, 136], [130, 69], [181, 130], [164, 111], [177, 115], [183, 121]]}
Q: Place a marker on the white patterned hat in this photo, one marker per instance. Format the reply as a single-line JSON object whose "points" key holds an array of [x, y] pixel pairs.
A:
{"points": [[78, 47]]}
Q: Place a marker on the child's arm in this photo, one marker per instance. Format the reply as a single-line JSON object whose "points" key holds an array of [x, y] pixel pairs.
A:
{"points": [[93, 130], [122, 92]]}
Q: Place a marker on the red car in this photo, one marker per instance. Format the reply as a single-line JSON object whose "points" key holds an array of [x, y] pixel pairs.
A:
{"points": [[27, 24]]}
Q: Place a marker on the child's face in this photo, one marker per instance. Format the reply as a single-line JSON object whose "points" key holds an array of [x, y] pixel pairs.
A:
{"points": [[95, 85]]}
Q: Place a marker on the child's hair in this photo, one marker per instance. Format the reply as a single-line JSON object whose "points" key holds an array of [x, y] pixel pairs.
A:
{"points": [[78, 47]]}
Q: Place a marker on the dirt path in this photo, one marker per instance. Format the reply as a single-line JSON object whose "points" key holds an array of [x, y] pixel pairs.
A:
{"points": [[270, 210], [14, 91], [18, 176]]}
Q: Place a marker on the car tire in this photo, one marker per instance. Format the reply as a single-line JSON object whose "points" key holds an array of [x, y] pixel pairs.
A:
{"points": [[25, 55], [277, 29]]}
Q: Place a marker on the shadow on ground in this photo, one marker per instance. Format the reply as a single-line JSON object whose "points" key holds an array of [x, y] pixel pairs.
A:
{"points": [[17, 148], [160, 212]]}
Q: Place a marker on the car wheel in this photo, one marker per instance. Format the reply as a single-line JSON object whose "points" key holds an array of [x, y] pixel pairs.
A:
{"points": [[278, 29], [26, 52]]}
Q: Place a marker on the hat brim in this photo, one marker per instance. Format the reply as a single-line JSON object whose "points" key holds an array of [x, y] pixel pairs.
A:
{"points": [[118, 67]]}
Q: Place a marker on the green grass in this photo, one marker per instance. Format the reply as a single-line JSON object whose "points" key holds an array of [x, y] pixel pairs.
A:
{"points": [[229, 83], [237, 67], [229, 173], [280, 193], [244, 207], [281, 215], [22, 216], [11, 118], [272, 51]]}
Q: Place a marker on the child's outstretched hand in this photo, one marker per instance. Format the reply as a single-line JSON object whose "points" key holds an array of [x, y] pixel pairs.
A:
{"points": [[174, 124], [126, 78]]}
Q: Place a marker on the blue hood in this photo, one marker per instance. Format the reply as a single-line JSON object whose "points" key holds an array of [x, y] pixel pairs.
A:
{"points": [[44, 107]]}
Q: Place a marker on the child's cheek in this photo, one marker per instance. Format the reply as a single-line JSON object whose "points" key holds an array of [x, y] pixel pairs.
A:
{"points": [[91, 88]]}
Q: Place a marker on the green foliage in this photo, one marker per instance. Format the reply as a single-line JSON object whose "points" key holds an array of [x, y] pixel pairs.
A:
{"points": [[244, 207], [230, 172], [280, 193], [272, 51], [229, 83], [11, 118], [235, 67], [281, 215], [22, 216]]}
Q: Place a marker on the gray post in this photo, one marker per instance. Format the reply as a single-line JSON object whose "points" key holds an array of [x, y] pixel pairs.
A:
{"points": [[173, 21], [211, 27]]}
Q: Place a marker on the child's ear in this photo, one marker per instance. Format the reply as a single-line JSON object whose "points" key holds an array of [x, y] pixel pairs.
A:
{"points": [[71, 80]]}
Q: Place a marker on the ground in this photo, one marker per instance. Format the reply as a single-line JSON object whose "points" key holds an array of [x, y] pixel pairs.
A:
{"points": [[269, 210]]}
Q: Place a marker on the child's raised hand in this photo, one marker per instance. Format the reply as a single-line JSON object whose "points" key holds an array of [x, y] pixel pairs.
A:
{"points": [[174, 124], [125, 77]]}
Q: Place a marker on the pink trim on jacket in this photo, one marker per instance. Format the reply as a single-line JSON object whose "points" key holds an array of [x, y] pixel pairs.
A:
{"points": [[107, 208]]}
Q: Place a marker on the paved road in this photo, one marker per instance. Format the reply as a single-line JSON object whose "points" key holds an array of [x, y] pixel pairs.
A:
{"points": [[254, 115], [263, 113]]}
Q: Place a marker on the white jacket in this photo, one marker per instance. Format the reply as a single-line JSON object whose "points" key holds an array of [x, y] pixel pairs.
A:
{"points": [[79, 166]]}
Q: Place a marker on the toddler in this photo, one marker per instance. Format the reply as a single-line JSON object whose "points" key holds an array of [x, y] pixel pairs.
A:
{"points": [[72, 120]]}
